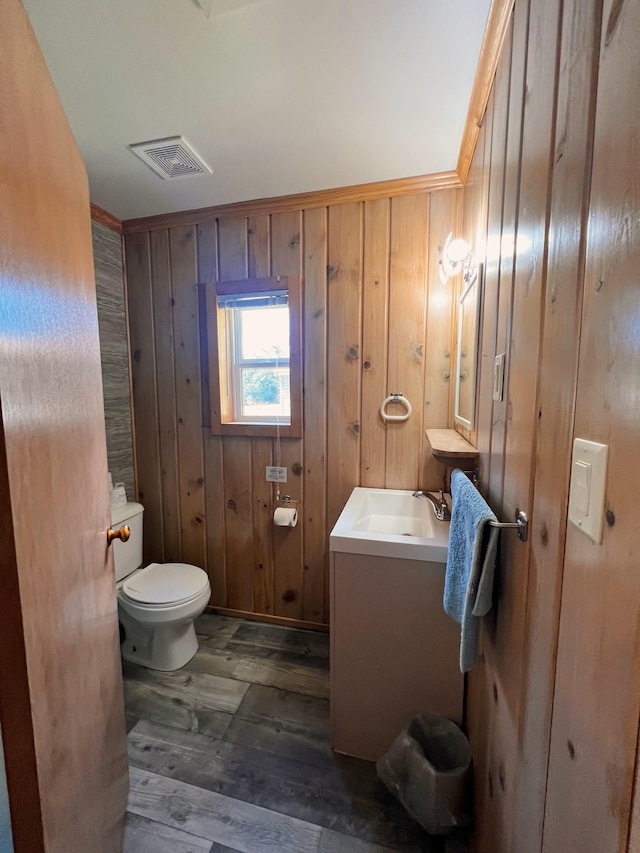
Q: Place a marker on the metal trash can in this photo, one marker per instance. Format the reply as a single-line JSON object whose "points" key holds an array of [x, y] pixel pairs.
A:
{"points": [[428, 769]]}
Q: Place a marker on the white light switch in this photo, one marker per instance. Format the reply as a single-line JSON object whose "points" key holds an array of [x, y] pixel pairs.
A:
{"points": [[588, 479], [581, 485]]}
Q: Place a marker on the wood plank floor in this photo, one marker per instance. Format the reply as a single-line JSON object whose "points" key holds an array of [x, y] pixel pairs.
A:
{"points": [[232, 754]]}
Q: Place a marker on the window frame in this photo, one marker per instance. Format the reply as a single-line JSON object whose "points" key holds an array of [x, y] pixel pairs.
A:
{"points": [[219, 344]]}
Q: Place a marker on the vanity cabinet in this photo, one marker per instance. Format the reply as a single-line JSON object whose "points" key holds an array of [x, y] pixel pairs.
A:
{"points": [[394, 651]]}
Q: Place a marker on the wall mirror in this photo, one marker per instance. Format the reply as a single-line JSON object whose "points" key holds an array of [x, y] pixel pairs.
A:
{"points": [[468, 337]]}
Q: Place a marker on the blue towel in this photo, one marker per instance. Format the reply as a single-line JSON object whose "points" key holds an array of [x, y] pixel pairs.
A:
{"points": [[471, 561]]}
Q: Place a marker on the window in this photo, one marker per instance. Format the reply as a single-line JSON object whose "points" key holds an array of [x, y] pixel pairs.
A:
{"points": [[254, 350]]}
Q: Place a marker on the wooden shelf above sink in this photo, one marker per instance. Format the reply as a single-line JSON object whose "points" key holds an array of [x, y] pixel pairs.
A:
{"points": [[450, 448]]}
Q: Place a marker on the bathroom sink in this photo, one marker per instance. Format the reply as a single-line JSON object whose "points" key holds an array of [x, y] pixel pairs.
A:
{"points": [[390, 523]]}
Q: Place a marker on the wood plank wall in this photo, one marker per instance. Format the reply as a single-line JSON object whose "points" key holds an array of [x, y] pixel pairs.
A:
{"points": [[375, 320], [554, 703]]}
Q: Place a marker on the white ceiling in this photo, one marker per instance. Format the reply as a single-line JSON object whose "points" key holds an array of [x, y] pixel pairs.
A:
{"points": [[277, 96]]}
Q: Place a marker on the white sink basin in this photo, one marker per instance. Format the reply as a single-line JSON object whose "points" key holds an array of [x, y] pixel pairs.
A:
{"points": [[390, 523]]}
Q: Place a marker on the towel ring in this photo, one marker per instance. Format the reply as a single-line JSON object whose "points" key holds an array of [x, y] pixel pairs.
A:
{"points": [[395, 398]]}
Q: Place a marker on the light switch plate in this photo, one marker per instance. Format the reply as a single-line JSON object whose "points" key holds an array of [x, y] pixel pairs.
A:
{"points": [[588, 480]]}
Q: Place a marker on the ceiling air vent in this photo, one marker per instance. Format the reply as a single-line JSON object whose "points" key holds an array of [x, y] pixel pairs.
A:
{"points": [[170, 158]]}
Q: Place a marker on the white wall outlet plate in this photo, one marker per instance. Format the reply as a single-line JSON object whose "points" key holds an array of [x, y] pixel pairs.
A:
{"points": [[588, 480], [276, 474]]}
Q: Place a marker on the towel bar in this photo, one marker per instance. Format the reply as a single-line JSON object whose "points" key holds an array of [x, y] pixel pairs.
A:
{"points": [[521, 524]]}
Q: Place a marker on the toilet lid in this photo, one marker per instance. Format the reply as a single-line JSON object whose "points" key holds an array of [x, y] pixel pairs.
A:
{"points": [[166, 583]]}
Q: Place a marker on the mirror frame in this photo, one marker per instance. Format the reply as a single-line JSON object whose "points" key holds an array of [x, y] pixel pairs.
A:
{"points": [[467, 286]]}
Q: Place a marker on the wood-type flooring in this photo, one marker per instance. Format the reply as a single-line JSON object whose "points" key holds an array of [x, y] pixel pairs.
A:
{"points": [[231, 754]]}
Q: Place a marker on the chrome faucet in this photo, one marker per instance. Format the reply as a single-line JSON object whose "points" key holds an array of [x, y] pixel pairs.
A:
{"points": [[439, 504]]}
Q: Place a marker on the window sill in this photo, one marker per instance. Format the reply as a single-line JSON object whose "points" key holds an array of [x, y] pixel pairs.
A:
{"points": [[265, 430]]}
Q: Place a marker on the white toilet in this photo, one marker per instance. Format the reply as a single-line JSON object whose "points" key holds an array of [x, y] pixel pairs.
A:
{"points": [[156, 604]]}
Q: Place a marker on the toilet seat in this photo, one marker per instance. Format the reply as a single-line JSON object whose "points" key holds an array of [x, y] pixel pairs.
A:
{"points": [[163, 584]]}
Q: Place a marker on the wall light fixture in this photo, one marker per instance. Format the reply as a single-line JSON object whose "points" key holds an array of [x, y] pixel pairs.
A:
{"points": [[457, 256]]}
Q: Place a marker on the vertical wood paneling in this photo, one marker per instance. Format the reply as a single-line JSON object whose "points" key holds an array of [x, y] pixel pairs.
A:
{"points": [[252, 565], [478, 688], [182, 243], [236, 452], [474, 229], [262, 519], [145, 401], [286, 259], [314, 598], [375, 340], [232, 249], [597, 688], [287, 541], [213, 467], [513, 160], [499, 109], [556, 401], [344, 274], [407, 322], [165, 374], [238, 509], [443, 216], [528, 301], [259, 247], [504, 641]]}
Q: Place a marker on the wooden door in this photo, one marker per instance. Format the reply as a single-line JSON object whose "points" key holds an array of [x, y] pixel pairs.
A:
{"points": [[61, 705]]}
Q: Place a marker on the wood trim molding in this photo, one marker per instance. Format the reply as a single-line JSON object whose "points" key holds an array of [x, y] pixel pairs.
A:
{"points": [[106, 219], [497, 25], [265, 617], [299, 201]]}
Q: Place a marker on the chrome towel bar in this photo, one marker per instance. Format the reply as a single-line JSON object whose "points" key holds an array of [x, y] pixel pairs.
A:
{"points": [[521, 524]]}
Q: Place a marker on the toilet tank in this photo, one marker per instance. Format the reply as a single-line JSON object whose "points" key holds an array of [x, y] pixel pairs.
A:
{"points": [[127, 556]]}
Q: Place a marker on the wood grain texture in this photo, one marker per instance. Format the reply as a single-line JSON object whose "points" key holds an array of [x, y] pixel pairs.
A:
{"points": [[530, 279], [240, 538], [510, 210], [142, 835], [243, 826], [262, 515], [407, 322], [288, 543], [261, 759], [259, 228], [344, 280], [166, 393], [474, 212], [238, 510], [444, 216], [506, 629], [188, 401], [556, 397], [597, 704], [490, 52], [314, 511], [300, 201], [449, 444], [213, 462], [145, 397], [98, 214], [375, 340], [61, 709], [491, 274]]}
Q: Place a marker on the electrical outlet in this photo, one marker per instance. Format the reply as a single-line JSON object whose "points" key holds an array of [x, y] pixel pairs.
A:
{"points": [[276, 474]]}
